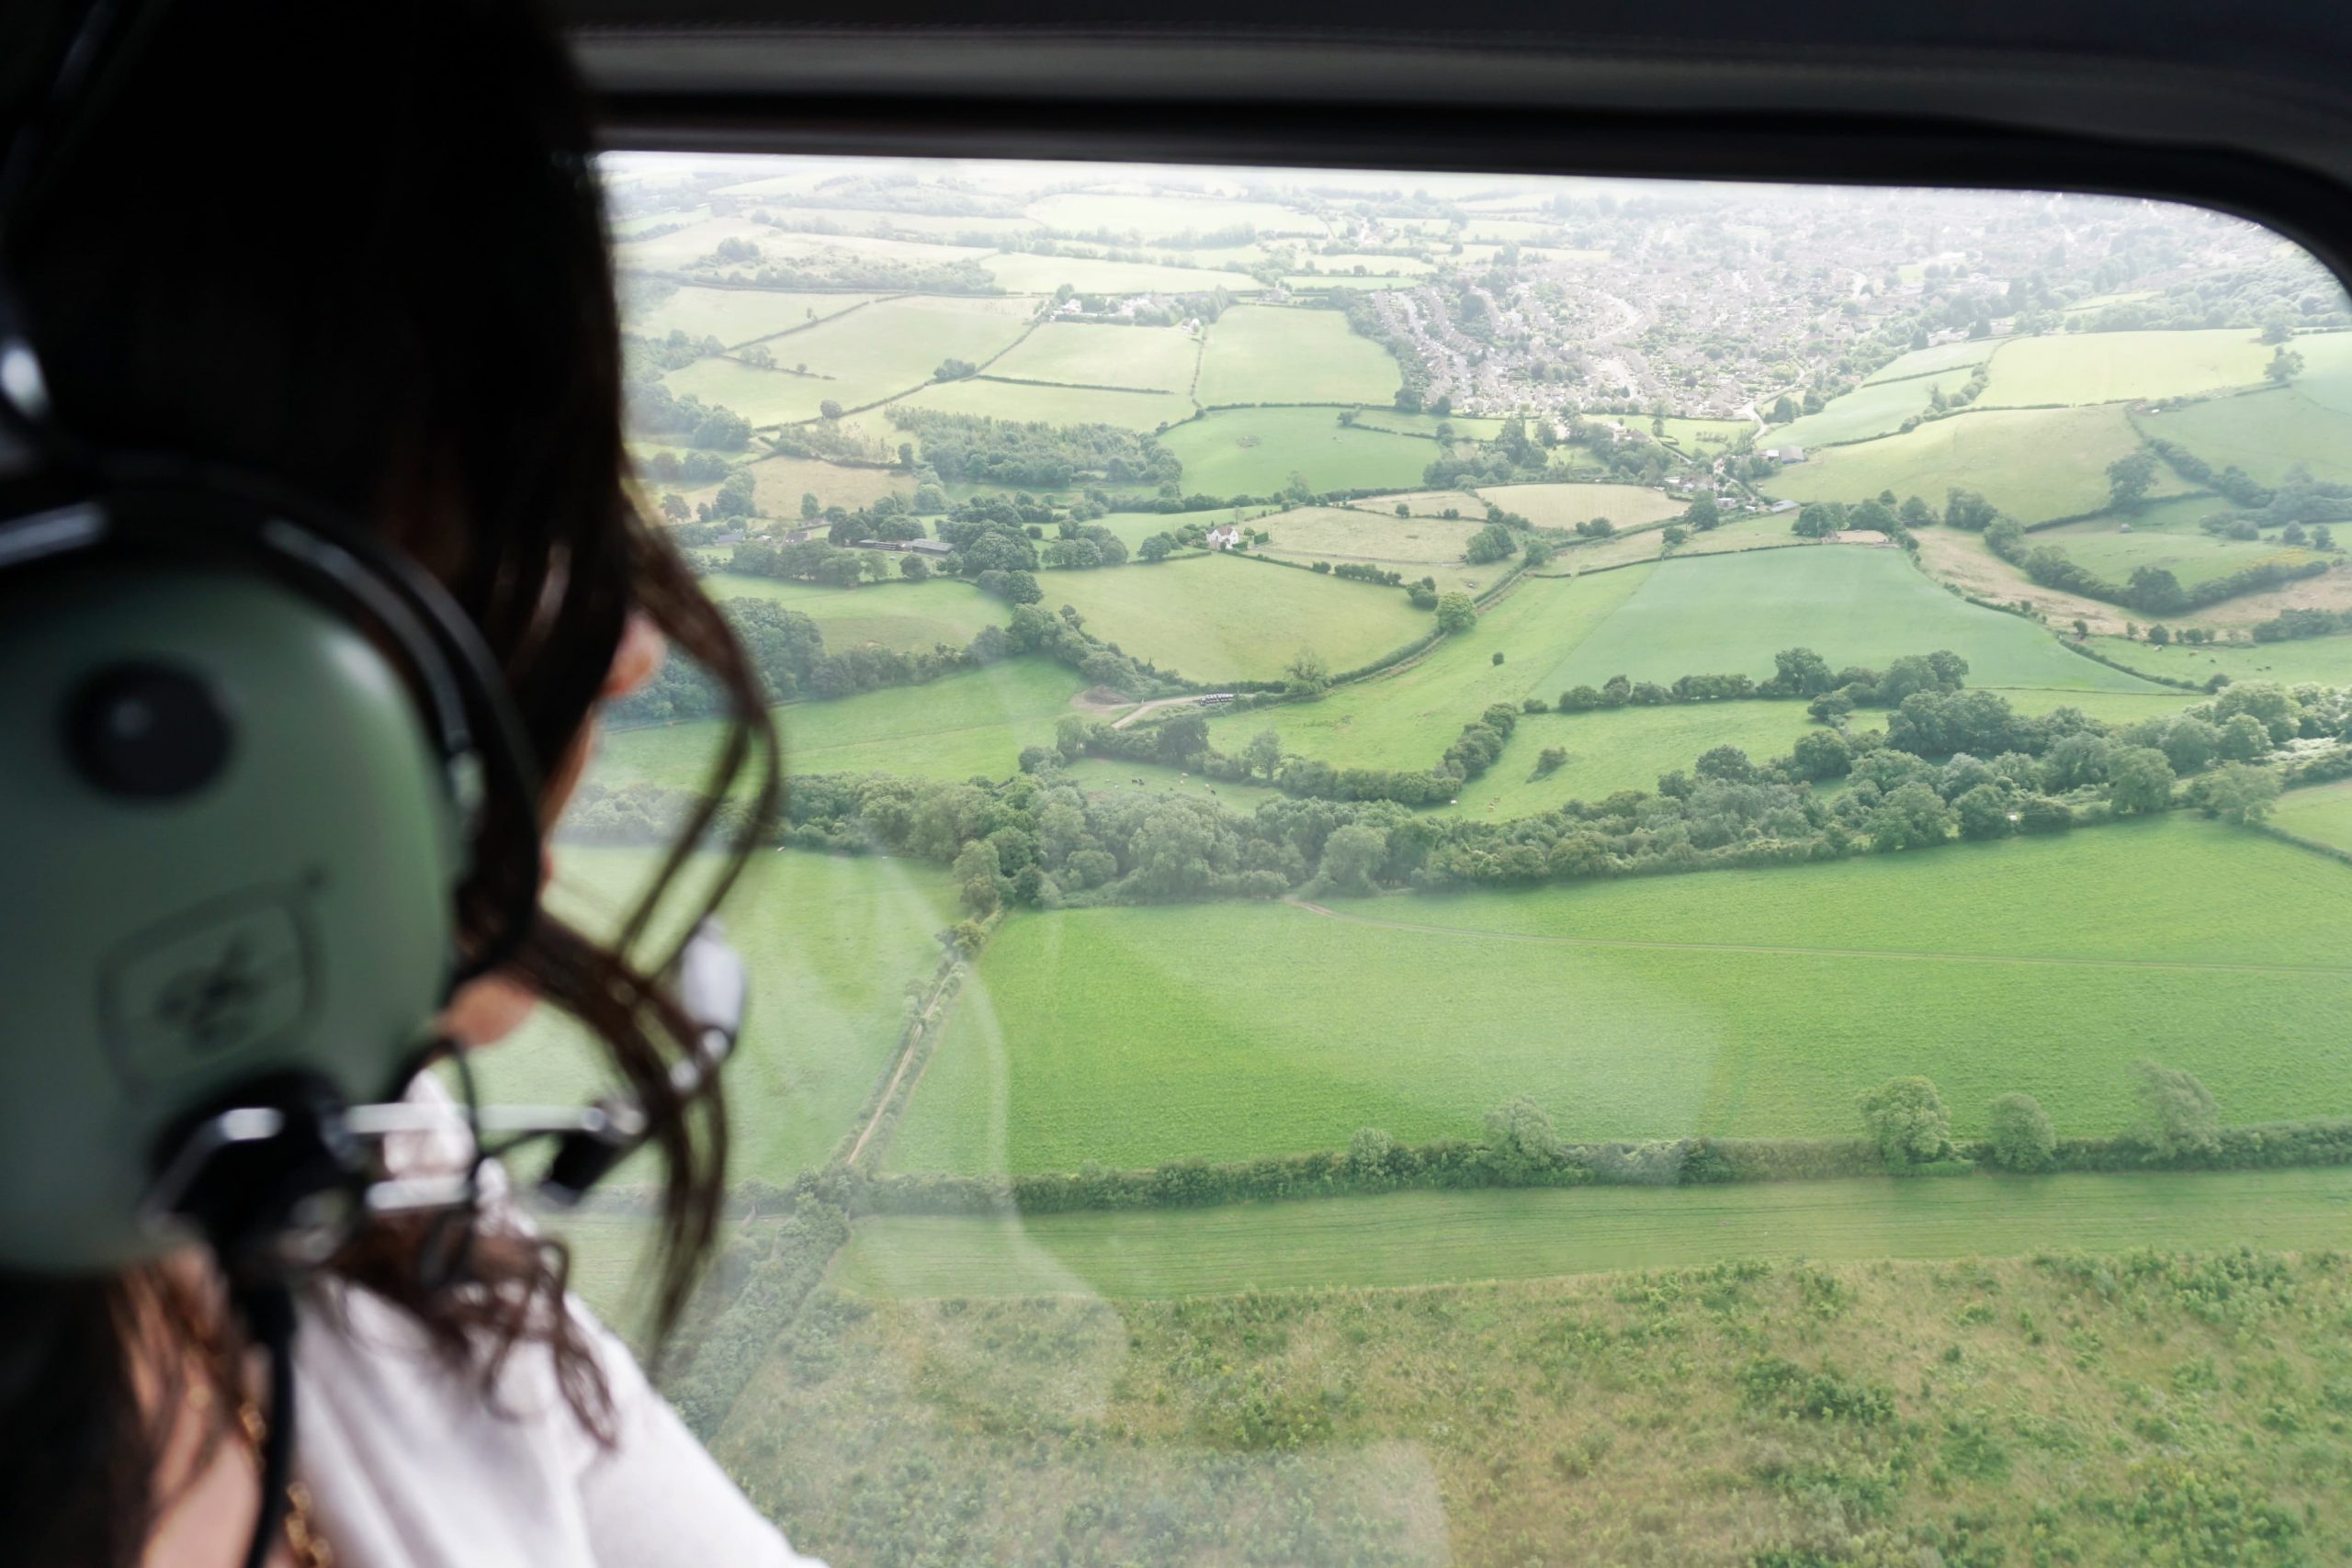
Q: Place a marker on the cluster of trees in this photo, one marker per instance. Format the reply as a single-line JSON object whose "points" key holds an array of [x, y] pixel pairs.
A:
{"points": [[670, 468], [830, 268], [654, 410], [1032, 454], [1822, 519], [787, 650], [2289, 625], [2180, 1124], [1796, 672]]}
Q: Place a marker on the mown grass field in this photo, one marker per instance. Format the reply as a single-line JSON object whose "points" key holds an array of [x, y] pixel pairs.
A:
{"points": [[1700, 435], [855, 359], [1739, 1004], [1371, 532], [1850, 605], [2323, 812], [1464, 426], [1021, 272], [1407, 718], [1054, 405], [966, 725], [2324, 659], [831, 942], [913, 618], [1150, 358], [1446, 1238], [1626, 748], [2265, 433], [778, 483], [2109, 368], [1566, 505], [1255, 451], [2034, 464], [1216, 619], [1875, 407], [1109, 779], [2165, 534], [1264, 354], [1941, 357], [738, 316]]}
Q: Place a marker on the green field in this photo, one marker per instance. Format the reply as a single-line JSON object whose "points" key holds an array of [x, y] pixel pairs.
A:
{"points": [[2326, 661], [856, 359], [1406, 719], [1768, 531], [1852, 606], [1566, 505], [1215, 619], [2165, 534], [1441, 1238], [1463, 426], [1021, 272], [2265, 433], [1104, 778], [1134, 527], [1264, 354], [958, 727], [912, 617], [1158, 359], [2111, 368], [738, 316], [2324, 813], [1875, 407], [2144, 1409], [1943, 356], [831, 942], [1255, 451], [1658, 1007], [2034, 464], [1692, 434], [780, 482], [1373, 532], [1054, 405], [1625, 749]]}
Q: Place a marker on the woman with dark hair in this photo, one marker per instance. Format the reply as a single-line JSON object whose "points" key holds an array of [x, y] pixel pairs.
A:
{"points": [[361, 251]]}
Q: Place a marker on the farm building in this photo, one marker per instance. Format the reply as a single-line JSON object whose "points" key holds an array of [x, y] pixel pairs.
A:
{"points": [[933, 548], [1785, 453], [1224, 537]]}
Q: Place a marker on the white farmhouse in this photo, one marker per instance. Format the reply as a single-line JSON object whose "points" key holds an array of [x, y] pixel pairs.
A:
{"points": [[1225, 538]]}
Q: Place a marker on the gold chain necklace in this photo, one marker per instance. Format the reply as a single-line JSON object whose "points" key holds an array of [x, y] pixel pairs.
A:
{"points": [[309, 1547]]}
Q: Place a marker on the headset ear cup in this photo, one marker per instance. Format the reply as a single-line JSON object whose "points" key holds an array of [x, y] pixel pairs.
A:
{"points": [[292, 913]]}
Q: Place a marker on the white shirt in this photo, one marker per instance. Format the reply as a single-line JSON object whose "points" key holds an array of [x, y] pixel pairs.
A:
{"points": [[409, 1465]]}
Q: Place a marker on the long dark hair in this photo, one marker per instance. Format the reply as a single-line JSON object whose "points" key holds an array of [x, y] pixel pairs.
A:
{"points": [[362, 250]]}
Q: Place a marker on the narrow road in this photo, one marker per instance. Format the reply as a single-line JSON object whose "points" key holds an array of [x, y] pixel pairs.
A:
{"points": [[1142, 708]]}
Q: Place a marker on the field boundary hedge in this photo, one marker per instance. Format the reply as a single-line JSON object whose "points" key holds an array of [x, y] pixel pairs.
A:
{"points": [[1378, 1165], [2096, 657], [2268, 830]]}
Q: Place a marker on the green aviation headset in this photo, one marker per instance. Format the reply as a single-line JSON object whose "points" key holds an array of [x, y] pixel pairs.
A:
{"points": [[250, 762]]}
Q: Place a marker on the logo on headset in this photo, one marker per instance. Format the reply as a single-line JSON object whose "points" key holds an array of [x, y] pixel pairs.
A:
{"points": [[210, 982]]}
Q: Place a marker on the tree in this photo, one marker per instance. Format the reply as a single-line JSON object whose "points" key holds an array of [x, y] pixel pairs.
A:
{"points": [[2139, 779], [2277, 329], [1310, 673], [1966, 509], [1785, 412], [1822, 754], [1816, 522], [1491, 543], [1156, 547], [2019, 1133], [1182, 737], [955, 370], [2189, 744], [1701, 515], [1402, 510], [1905, 1117], [1912, 815], [1915, 513], [1263, 755], [1455, 612], [1728, 763], [2244, 738], [829, 409], [2284, 367], [2129, 477], [1351, 856], [809, 506], [976, 871], [1674, 537], [1984, 812], [1522, 1141], [2236, 792], [914, 568], [2180, 1113]]}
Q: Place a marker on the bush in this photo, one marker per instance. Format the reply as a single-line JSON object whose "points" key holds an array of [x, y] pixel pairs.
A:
{"points": [[1905, 1117], [2018, 1133]]}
